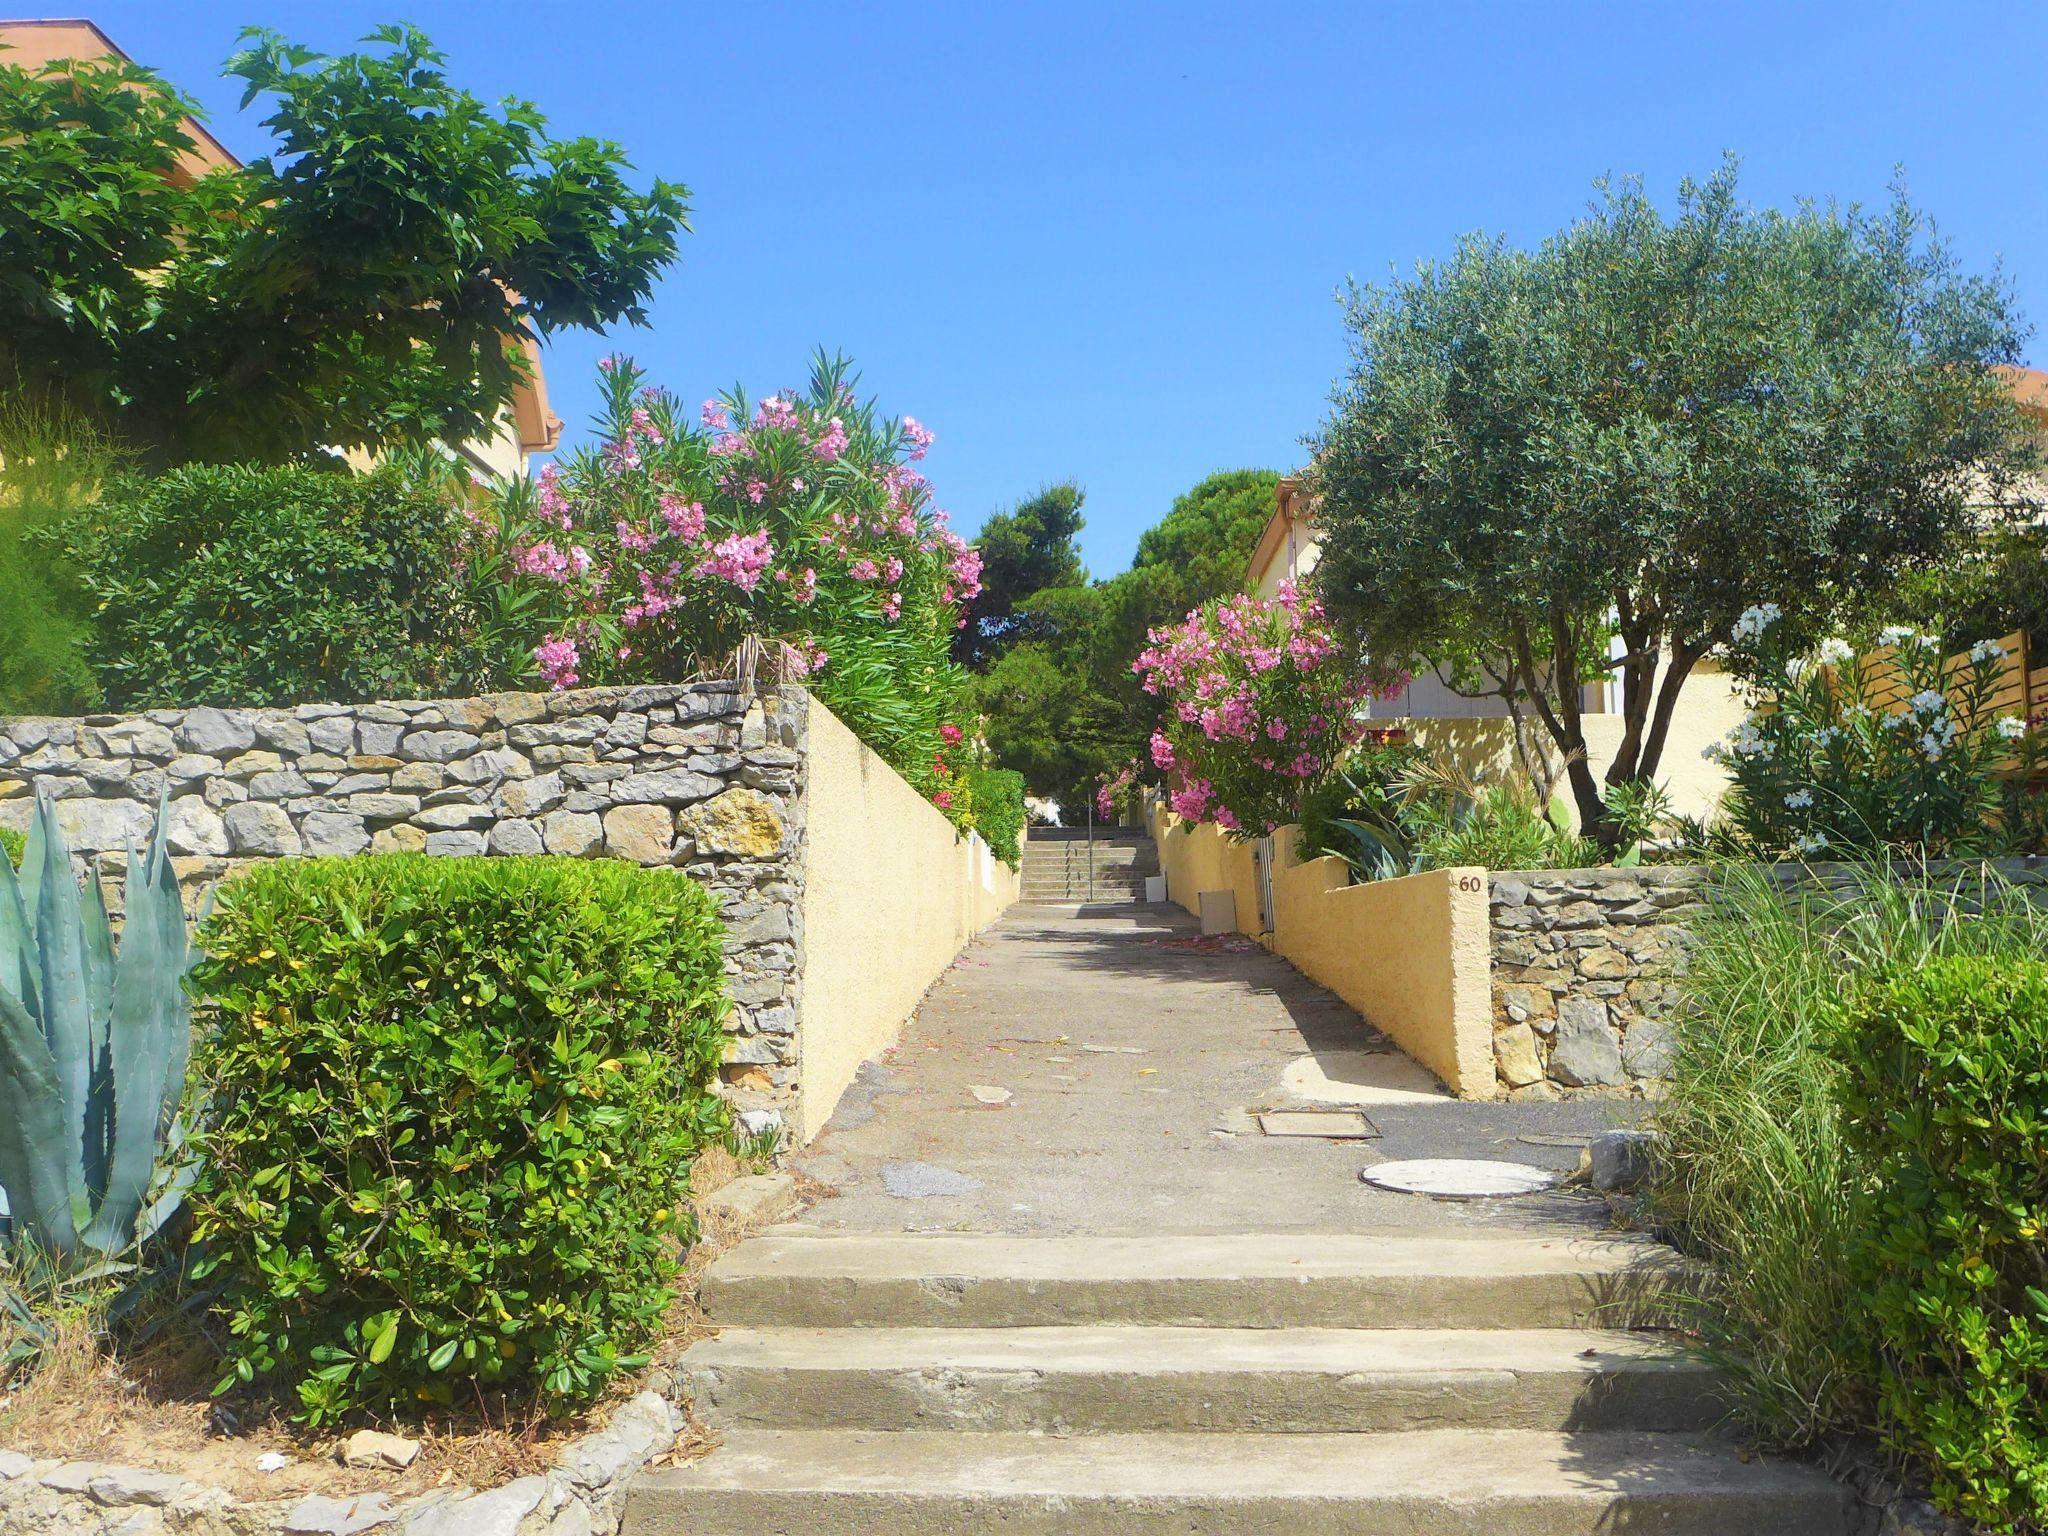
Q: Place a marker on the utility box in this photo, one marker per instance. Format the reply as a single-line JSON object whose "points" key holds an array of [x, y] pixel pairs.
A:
{"points": [[1155, 888], [1219, 911]]}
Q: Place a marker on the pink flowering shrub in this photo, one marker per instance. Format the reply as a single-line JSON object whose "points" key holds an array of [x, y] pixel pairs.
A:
{"points": [[801, 521], [1259, 699]]}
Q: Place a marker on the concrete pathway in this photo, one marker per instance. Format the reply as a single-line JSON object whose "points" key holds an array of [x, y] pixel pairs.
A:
{"points": [[1067, 1288], [1134, 1055]]}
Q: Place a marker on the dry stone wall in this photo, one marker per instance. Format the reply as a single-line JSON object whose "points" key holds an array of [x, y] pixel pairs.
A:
{"points": [[1586, 964], [699, 777]]}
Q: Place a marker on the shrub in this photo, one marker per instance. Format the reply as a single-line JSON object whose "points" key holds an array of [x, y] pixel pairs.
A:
{"points": [[454, 1106], [1947, 1119], [801, 521], [237, 585], [11, 845], [1851, 1140], [999, 810], [1826, 762], [1259, 700]]}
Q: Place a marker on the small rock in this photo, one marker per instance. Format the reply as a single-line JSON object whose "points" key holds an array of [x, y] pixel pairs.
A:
{"points": [[372, 1448], [1619, 1160], [13, 1464], [759, 1122], [987, 1093], [272, 1461]]}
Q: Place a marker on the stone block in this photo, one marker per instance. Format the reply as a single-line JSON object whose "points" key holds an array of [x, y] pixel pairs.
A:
{"points": [[642, 833], [1646, 1048], [514, 837], [334, 834], [1583, 1053], [456, 844], [398, 839], [673, 786], [261, 828], [437, 746], [1514, 1056], [573, 834], [742, 822], [192, 826]]}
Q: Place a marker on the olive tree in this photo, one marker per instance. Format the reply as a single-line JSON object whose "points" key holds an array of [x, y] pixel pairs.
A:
{"points": [[1547, 464]]}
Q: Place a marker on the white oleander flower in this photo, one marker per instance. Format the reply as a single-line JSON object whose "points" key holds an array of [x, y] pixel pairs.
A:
{"points": [[1754, 620], [1895, 634], [1799, 800], [1927, 702], [1748, 741], [1834, 652], [1931, 748], [2011, 727], [1809, 843], [1987, 650]]}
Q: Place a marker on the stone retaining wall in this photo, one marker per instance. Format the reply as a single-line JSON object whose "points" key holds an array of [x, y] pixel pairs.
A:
{"points": [[1585, 969], [697, 776], [1586, 966]]}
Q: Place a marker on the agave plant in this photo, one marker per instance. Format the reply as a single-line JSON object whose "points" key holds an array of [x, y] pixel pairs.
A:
{"points": [[93, 1048]]}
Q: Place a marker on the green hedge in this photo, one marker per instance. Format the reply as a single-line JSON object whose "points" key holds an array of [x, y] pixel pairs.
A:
{"points": [[1946, 1103], [997, 795], [242, 586], [454, 1104], [11, 843]]}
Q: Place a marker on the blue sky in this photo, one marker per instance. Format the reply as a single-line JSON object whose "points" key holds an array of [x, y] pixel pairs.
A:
{"points": [[1101, 241]]}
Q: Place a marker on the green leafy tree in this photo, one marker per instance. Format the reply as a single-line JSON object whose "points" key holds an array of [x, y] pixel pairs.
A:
{"points": [[367, 283], [1628, 436], [1052, 710], [1024, 551]]}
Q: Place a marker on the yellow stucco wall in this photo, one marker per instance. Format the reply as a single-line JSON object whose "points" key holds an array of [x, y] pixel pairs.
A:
{"points": [[1708, 709], [1411, 955], [891, 893], [1200, 858]]}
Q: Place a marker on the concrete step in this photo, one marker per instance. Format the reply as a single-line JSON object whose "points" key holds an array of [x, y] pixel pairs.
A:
{"points": [[1426, 1483], [795, 1277], [1118, 1380]]}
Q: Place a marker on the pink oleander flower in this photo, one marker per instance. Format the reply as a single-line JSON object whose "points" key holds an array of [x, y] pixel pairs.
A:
{"points": [[943, 799], [683, 519], [920, 436], [739, 558], [831, 442], [715, 417], [863, 569], [557, 658], [1162, 751], [950, 734]]}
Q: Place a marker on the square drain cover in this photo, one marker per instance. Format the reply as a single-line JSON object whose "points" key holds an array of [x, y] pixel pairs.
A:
{"points": [[1327, 1124]]}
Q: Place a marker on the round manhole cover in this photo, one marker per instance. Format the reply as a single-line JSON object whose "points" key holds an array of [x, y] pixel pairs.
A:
{"points": [[1459, 1178]]}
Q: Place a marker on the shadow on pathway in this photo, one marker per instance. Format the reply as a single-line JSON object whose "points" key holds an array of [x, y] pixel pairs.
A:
{"points": [[1131, 1056]]}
